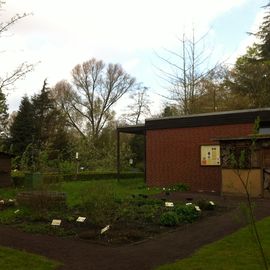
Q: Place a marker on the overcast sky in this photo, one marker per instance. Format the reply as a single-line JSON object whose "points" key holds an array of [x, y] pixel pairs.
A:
{"points": [[62, 33]]}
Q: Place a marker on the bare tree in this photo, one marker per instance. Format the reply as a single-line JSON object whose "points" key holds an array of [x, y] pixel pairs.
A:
{"points": [[140, 106], [187, 69], [89, 99], [8, 79]]}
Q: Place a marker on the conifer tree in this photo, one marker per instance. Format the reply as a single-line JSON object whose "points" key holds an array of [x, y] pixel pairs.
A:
{"points": [[21, 131], [264, 35]]}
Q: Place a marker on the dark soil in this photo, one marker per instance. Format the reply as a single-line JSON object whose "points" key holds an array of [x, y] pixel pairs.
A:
{"points": [[78, 254]]}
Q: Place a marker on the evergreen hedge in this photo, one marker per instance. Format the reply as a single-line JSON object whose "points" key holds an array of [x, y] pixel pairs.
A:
{"points": [[19, 178]]}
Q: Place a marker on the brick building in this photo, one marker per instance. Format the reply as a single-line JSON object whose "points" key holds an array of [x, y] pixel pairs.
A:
{"points": [[5, 169], [186, 149]]}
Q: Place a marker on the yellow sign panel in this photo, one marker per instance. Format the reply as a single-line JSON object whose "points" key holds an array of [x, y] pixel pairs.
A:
{"points": [[210, 155]]}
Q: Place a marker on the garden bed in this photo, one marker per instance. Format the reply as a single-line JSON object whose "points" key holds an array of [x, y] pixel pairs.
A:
{"points": [[128, 210], [130, 220], [144, 255]]}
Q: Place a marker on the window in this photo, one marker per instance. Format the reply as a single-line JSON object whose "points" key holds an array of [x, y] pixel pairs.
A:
{"points": [[264, 128], [210, 155]]}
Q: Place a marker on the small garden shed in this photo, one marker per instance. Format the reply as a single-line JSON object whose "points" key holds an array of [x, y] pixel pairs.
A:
{"points": [[187, 149], [250, 165], [5, 169]]}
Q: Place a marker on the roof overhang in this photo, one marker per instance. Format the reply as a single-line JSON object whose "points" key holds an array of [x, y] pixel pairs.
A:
{"points": [[200, 120], [137, 129], [209, 119]]}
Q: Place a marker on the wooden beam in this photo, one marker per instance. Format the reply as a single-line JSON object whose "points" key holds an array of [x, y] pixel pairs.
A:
{"points": [[118, 155]]}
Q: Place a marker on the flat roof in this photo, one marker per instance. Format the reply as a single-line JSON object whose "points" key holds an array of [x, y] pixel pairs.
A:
{"points": [[136, 129], [210, 114], [198, 120]]}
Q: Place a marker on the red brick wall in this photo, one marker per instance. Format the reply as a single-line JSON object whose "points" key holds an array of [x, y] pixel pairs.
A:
{"points": [[173, 155], [5, 170]]}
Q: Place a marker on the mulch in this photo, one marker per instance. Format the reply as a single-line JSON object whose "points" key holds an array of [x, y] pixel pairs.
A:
{"points": [[77, 254]]}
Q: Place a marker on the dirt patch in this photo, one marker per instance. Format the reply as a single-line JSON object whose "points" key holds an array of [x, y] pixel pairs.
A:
{"points": [[161, 248]]}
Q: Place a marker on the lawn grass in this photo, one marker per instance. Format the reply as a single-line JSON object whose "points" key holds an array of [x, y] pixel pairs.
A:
{"points": [[11, 259], [8, 192], [75, 189], [122, 189], [237, 251]]}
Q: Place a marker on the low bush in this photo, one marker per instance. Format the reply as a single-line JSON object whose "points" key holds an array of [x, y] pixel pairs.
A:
{"points": [[100, 205], [181, 187], [186, 213], [206, 205], [86, 176], [49, 178], [42, 200], [169, 218], [141, 210]]}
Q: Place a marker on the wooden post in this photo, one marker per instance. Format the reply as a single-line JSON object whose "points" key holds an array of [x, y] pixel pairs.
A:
{"points": [[118, 156], [144, 156]]}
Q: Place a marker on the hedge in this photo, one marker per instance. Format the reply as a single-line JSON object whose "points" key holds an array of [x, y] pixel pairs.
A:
{"points": [[19, 178]]}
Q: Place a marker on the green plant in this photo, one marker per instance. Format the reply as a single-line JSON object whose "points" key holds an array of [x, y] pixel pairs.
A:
{"points": [[236, 251], [100, 205], [186, 213], [42, 200], [13, 259], [169, 219], [206, 205], [8, 216], [242, 161], [180, 187]]}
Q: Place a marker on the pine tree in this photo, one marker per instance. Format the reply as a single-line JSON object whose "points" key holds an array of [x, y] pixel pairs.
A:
{"points": [[3, 114], [22, 129], [44, 115], [264, 36], [3, 121]]}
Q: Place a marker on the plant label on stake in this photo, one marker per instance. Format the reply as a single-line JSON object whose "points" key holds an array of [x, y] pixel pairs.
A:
{"points": [[56, 222], [81, 219], [105, 229], [169, 204]]}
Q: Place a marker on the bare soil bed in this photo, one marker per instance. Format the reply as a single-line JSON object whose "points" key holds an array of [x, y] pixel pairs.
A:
{"points": [[178, 243]]}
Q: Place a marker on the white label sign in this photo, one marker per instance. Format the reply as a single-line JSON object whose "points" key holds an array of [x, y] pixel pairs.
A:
{"points": [[105, 229], [56, 222], [81, 219], [169, 204]]}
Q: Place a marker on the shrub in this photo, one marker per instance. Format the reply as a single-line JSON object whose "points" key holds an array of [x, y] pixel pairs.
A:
{"points": [[206, 205], [42, 200], [18, 178], [180, 187], [140, 209], [186, 213], [49, 178], [169, 219], [100, 205], [86, 176]]}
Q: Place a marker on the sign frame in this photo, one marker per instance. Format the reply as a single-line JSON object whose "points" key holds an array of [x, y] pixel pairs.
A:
{"points": [[210, 155]]}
